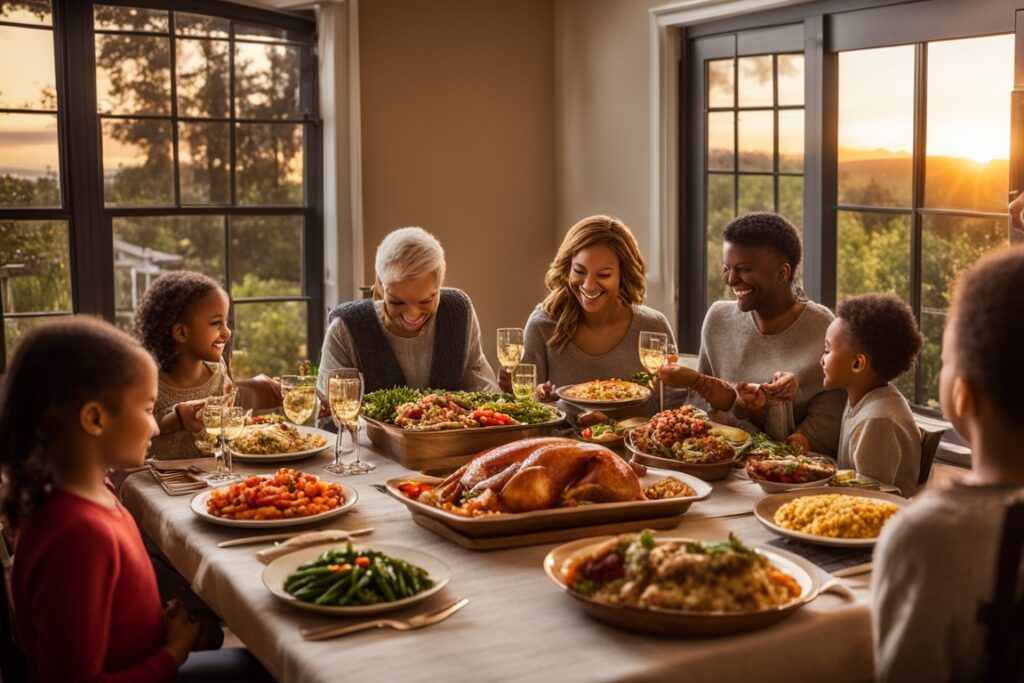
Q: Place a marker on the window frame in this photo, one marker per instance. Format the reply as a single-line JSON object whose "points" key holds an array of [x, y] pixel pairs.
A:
{"points": [[829, 27], [90, 222]]}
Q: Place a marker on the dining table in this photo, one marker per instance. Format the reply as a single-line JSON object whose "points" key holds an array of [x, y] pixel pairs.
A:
{"points": [[518, 624]]}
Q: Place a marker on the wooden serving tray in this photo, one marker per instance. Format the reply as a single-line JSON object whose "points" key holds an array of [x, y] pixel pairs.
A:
{"points": [[447, 450], [541, 537]]}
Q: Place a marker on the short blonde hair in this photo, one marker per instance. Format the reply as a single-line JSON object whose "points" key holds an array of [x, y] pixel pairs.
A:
{"points": [[407, 253]]}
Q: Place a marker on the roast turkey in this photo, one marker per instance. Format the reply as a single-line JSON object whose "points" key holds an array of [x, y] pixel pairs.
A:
{"points": [[541, 473]]}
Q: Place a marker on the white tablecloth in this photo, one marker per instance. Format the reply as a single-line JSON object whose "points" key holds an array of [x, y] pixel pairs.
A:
{"points": [[518, 625]]}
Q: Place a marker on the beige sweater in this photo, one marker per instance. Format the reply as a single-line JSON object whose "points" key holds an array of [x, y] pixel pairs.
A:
{"points": [[880, 439], [179, 445]]}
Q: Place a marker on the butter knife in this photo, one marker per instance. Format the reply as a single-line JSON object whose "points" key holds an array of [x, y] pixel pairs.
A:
{"points": [[285, 535]]}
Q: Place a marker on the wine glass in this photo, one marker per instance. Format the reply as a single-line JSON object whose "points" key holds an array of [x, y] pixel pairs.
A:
{"points": [[298, 394], [510, 347], [671, 358], [345, 394], [653, 346], [213, 423], [524, 380], [233, 419]]}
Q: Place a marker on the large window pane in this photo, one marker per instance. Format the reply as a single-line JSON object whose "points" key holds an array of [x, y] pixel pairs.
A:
{"points": [[109, 18], [876, 126], [202, 78], [969, 84], [756, 141], [204, 162], [791, 80], [35, 266], [133, 74], [29, 161], [721, 141], [137, 162], [721, 193], [756, 82], [28, 79], [266, 255], [144, 248], [35, 12], [269, 162], [757, 193], [874, 254], [791, 141], [791, 199], [267, 81], [721, 83], [268, 337], [16, 328]]}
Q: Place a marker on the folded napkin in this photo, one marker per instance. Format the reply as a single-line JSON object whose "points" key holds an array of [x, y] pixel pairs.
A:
{"points": [[301, 541]]}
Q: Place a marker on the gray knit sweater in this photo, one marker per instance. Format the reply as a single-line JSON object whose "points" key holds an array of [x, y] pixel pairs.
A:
{"points": [[732, 348], [880, 439]]}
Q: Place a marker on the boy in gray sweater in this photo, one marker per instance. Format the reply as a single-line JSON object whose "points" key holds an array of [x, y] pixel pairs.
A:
{"points": [[872, 342], [935, 561]]}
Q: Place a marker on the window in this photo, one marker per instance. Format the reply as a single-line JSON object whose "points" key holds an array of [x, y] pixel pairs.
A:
{"points": [[755, 146], [205, 128], [907, 134], [911, 223], [35, 262]]}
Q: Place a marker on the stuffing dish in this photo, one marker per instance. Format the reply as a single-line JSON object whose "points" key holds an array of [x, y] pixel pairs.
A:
{"points": [[636, 570], [835, 515], [275, 438], [607, 390]]}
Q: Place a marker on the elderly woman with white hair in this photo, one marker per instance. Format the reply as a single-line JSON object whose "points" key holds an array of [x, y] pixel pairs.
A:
{"points": [[415, 332]]}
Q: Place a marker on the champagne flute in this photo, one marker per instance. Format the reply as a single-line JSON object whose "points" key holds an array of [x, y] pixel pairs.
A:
{"points": [[524, 380], [671, 358], [298, 394], [345, 394], [652, 357], [233, 419], [510, 347], [213, 423]]}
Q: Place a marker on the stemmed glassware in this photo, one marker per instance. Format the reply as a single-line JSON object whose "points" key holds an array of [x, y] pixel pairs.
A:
{"points": [[671, 358], [345, 394], [524, 380], [226, 423], [653, 347], [298, 393], [510, 347]]}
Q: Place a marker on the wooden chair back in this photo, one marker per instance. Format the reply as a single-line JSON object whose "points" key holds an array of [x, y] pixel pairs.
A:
{"points": [[1004, 616], [929, 446]]}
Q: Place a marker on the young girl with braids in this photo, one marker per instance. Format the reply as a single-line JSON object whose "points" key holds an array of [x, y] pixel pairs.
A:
{"points": [[183, 322], [78, 399]]}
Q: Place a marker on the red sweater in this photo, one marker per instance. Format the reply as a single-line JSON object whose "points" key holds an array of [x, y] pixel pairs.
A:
{"points": [[86, 605]]}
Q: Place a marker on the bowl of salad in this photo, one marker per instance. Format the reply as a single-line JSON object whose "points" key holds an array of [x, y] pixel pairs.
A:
{"points": [[611, 434]]}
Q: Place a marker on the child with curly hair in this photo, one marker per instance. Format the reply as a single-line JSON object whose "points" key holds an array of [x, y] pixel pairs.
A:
{"points": [[183, 322], [873, 341]]}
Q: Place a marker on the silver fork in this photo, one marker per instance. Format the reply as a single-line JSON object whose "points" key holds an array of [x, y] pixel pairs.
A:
{"points": [[418, 621]]}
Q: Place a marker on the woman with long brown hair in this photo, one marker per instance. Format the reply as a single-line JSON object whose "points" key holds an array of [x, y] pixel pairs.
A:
{"points": [[589, 325]]}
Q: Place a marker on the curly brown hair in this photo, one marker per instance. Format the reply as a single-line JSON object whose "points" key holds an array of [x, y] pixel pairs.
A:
{"points": [[168, 301], [561, 304], [883, 328], [989, 327], [57, 368]]}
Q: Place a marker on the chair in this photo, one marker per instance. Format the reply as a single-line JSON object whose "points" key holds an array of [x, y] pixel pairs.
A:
{"points": [[1004, 616], [13, 666], [929, 446]]}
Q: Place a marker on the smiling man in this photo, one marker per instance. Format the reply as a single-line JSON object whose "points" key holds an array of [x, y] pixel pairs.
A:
{"points": [[415, 332], [771, 337]]}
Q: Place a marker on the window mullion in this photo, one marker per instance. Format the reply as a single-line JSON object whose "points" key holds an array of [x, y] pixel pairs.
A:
{"points": [[917, 197]]}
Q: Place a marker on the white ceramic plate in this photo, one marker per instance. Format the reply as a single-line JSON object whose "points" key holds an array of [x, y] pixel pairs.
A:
{"points": [[328, 437], [645, 394], [687, 623], [275, 573], [766, 508], [199, 501]]}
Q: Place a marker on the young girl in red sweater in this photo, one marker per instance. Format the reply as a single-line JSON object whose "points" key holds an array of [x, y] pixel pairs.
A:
{"points": [[77, 400]]}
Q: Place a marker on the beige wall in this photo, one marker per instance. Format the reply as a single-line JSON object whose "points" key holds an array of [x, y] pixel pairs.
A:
{"points": [[602, 118], [457, 137]]}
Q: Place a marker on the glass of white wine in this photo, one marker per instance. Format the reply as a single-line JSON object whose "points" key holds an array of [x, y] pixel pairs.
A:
{"points": [[345, 394], [653, 347], [298, 393], [524, 380], [213, 423], [233, 419], [510, 347]]}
